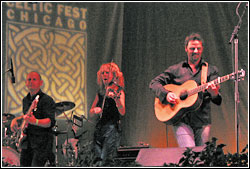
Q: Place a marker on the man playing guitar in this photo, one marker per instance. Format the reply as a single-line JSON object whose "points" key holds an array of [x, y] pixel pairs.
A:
{"points": [[36, 142], [192, 125]]}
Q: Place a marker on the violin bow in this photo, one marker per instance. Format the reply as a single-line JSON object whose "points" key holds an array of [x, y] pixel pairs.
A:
{"points": [[106, 85]]}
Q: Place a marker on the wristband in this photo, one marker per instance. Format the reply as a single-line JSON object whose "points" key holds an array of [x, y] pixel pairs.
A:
{"points": [[37, 122]]}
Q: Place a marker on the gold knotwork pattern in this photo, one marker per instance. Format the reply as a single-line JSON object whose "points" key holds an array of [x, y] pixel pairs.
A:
{"points": [[58, 55]]}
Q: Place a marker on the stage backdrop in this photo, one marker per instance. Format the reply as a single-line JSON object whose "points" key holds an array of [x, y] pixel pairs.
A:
{"points": [[67, 43], [47, 38]]}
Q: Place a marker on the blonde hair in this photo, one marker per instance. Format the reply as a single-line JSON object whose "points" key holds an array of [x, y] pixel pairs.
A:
{"points": [[117, 74]]}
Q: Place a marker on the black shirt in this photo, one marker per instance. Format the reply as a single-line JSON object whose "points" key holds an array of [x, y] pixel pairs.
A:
{"points": [[45, 109], [180, 73], [110, 114]]}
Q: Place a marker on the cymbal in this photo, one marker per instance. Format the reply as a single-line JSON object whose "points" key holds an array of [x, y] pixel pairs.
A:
{"points": [[64, 106]]}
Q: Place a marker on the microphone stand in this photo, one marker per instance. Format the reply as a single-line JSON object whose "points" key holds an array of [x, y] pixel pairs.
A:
{"points": [[236, 93], [69, 124]]}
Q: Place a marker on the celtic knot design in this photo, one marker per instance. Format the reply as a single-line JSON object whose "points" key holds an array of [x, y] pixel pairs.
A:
{"points": [[58, 55]]}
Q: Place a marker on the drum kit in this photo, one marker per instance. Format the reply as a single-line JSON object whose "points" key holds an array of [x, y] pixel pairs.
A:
{"points": [[68, 151], [10, 153]]}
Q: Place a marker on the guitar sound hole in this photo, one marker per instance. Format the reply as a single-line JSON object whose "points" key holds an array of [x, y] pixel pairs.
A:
{"points": [[183, 95]]}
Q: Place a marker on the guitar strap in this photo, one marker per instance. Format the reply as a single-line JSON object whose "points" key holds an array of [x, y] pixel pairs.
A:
{"points": [[204, 73]]}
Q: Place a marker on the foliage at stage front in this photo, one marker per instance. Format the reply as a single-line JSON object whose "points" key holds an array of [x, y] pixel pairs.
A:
{"points": [[86, 158], [212, 156]]}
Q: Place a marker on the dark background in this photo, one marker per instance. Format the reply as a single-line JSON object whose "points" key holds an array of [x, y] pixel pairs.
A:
{"points": [[144, 39]]}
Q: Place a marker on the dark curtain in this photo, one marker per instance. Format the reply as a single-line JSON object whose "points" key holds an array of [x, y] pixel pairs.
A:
{"points": [[105, 33], [153, 39]]}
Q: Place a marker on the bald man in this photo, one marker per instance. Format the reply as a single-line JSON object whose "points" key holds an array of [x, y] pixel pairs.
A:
{"points": [[39, 117]]}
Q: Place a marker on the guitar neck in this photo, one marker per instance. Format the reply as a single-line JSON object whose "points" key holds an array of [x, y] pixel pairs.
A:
{"points": [[204, 86], [24, 123], [29, 111]]}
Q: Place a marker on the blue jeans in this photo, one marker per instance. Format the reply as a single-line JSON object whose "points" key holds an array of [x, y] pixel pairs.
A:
{"points": [[188, 136]]}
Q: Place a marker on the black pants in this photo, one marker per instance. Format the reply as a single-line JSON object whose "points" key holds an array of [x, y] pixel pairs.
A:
{"points": [[38, 152], [106, 142]]}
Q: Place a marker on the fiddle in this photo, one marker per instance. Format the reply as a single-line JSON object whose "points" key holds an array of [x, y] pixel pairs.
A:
{"points": [[113, 90]]}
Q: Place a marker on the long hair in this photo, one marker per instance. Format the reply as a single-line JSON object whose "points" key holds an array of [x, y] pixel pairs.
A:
{"points": [[117, 74]]}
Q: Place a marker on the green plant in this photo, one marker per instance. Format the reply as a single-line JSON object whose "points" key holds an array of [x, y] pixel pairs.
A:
{"points": [[234, 160], [212, 156]]}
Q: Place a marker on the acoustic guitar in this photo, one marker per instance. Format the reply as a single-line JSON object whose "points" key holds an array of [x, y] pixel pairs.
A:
{"points": [[187, 94]]}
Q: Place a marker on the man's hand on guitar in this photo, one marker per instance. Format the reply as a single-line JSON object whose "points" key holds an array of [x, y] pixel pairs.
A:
{"points": [[30, 118], [172, 98], [213, 89], [14, 125]]}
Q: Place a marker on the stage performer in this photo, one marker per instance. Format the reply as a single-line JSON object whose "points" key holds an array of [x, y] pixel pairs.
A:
{"points": [[193, 127], [36, 140], [109, 106]]}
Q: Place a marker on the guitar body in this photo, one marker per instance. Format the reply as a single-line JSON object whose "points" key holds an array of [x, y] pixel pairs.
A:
{"points": [[22, 136], [190, 98], [170, 113]]}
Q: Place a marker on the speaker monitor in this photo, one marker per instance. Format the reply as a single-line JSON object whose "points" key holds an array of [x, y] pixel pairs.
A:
{"points": [[159, 156], [129, 153]]}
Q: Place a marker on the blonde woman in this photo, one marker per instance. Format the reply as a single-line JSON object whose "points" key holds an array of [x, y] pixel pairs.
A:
{"points": [[109, 106]]}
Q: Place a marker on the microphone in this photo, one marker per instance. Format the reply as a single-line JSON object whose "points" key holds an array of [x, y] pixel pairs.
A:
{"points": [[12, 72]]}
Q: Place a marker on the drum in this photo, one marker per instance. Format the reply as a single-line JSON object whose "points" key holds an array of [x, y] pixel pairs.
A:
{"points": [[10, 157]]}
